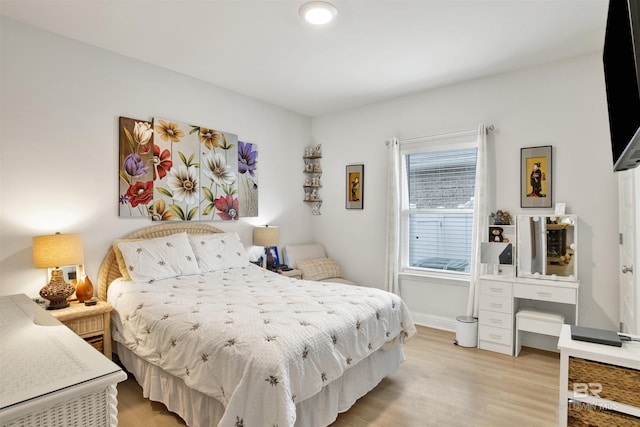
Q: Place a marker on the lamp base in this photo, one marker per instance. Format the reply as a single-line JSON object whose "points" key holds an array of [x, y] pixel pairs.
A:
{"points": [[57, 291]]}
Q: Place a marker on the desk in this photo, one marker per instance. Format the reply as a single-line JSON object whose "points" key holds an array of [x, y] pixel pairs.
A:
{"points": [[50, 374], [498, 304], [608, 390]]}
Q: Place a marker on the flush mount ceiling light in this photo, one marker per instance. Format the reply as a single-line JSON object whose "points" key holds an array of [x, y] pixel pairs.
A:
{"points": [[318, 12]]}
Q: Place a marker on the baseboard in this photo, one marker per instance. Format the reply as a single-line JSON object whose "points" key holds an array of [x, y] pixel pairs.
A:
{"points": [[436, 322]]}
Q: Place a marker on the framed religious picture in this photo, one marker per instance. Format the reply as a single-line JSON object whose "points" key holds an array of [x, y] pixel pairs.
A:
{"points": [[354, 187], [536, 177]]}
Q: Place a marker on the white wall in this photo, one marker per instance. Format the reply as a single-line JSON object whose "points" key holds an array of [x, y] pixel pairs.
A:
{"points": [[561, 104], [60, 103]]}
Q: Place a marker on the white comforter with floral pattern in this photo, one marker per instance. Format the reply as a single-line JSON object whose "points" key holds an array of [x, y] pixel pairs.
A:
{"points": [[256, 341]]}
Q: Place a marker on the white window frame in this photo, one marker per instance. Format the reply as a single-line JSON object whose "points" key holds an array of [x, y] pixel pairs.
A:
{"points": [[439, 144]]}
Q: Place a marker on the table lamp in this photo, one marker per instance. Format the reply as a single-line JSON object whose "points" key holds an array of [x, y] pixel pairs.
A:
{"points": [[54, 251], [268, 237]]}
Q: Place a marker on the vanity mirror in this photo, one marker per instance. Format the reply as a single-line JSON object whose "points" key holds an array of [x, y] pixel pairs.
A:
{"points": [[547, 247]]}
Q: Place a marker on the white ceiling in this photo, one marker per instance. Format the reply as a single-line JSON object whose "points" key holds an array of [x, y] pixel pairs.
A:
{"points": [[375, 50]]}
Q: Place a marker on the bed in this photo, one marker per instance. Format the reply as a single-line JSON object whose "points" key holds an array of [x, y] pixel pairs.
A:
{"points": [[228, 343]]}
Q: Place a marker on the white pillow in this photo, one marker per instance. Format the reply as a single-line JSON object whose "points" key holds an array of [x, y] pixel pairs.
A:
{"points": [[159, 258], [219, 251]]}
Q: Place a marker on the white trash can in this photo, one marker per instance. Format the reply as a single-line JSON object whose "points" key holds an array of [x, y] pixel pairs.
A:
{"points": [[467, 331]]}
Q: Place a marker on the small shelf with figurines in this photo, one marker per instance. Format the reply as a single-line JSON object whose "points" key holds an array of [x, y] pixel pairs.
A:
{"points": [[313, 172], [499, 255], [501, 227]]}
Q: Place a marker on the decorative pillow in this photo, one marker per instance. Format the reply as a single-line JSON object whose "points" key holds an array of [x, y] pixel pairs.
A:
{"points": [[159, 258], [219, 251], [122, 265], [318, 269]]}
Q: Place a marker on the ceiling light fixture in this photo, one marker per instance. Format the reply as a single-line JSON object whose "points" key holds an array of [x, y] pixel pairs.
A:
{"points": [[318, 12]]}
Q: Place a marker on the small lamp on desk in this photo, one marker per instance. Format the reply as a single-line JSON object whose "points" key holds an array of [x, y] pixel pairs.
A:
{"points": [[54, 251], [268, 237]]}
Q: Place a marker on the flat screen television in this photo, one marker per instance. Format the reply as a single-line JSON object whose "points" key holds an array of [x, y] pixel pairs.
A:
{"points": [[621, 61]]}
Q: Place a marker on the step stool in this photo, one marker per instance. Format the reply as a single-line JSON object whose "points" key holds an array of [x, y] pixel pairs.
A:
{"points": [[539, 322]]}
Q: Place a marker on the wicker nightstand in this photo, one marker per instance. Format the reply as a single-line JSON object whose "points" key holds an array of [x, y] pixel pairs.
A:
{"points": [[295, 273], [91, 322]]}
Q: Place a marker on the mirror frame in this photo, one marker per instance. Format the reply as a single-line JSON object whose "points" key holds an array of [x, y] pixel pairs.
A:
{"points": [[522, 251]]}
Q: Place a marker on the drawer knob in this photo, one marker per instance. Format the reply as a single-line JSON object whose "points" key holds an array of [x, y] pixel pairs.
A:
{"points": [[496, 290], [495, 336], [495, 305], [626, 269], [544, 294]]}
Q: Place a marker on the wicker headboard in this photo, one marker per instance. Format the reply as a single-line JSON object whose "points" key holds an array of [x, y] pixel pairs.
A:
{"points": [[109, 268]]}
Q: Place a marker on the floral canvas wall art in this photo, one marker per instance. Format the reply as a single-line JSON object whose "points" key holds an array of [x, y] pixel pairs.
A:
{"points": [[171, 170], [136, 168]]}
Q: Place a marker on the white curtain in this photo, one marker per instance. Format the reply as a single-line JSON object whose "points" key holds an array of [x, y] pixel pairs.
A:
{"points": [[394, 198], [480, 220]]}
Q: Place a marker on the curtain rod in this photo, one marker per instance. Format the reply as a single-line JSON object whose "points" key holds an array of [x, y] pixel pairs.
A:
{"points": [[445, 135]]}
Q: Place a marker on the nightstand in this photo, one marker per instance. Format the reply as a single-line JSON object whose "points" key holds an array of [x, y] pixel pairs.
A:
{"points": [[91, 322], [295, 273]]}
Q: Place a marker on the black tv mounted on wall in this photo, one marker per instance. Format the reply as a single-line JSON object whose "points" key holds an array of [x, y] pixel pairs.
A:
{"points": [[621, 60]]}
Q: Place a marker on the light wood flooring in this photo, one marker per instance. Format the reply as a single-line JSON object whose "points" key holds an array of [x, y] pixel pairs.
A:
{"points": [[440, 384]]}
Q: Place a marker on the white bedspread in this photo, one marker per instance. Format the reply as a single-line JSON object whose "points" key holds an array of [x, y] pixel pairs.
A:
{"points": [[256, 341]]}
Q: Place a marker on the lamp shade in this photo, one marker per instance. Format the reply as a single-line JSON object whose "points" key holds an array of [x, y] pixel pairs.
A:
{"points": [[57, 250], [265, 236]]}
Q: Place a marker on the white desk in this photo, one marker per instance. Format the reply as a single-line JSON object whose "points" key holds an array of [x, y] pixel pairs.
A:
{"points": [[49, 373], [497, 306], [592, 393]]}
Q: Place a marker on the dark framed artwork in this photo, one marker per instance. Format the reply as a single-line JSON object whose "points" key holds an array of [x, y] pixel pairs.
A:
{"points": [[355, 187], [536, 177]]}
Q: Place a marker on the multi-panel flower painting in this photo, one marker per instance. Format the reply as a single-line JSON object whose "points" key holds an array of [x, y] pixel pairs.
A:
{"points": [[198, 173]]}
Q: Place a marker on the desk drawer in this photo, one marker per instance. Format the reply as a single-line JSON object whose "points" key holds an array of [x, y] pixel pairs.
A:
{"points": [[496, 289], [501, 304], [496, 319], [545, 293], [495, 335]]}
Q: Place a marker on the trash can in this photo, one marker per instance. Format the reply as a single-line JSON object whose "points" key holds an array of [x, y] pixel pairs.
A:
{"points": [[467, 331]]}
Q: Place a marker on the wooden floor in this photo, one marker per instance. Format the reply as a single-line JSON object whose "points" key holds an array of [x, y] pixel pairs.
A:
{"points": [[440, 384]]}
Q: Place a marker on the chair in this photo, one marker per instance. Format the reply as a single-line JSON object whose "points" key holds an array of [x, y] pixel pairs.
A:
{"points": [[312, 259], [539, 322]]}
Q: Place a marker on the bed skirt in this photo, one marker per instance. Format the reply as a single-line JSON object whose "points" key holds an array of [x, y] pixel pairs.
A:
{"points": [[200, 410]]}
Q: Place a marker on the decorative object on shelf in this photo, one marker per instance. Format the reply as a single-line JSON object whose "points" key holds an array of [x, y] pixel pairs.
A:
{"points": [[54, 251], [84, 289], [355, 186], [495, 234], [500, 217], [536, 177], [267, 236], [560, 208]]}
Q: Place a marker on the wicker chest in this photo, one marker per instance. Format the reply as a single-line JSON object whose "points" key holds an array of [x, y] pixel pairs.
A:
{"points": [[50, 376], [599, 384]]}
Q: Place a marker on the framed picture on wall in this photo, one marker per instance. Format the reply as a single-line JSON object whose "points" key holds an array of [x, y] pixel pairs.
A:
{"points": [[355, 187], [536, 177]]}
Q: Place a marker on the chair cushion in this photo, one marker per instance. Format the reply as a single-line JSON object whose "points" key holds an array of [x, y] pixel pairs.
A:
{"points": [[294, 253]]}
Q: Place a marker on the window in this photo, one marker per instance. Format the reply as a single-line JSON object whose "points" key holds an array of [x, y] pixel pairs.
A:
{"points": [[437, 221]]}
